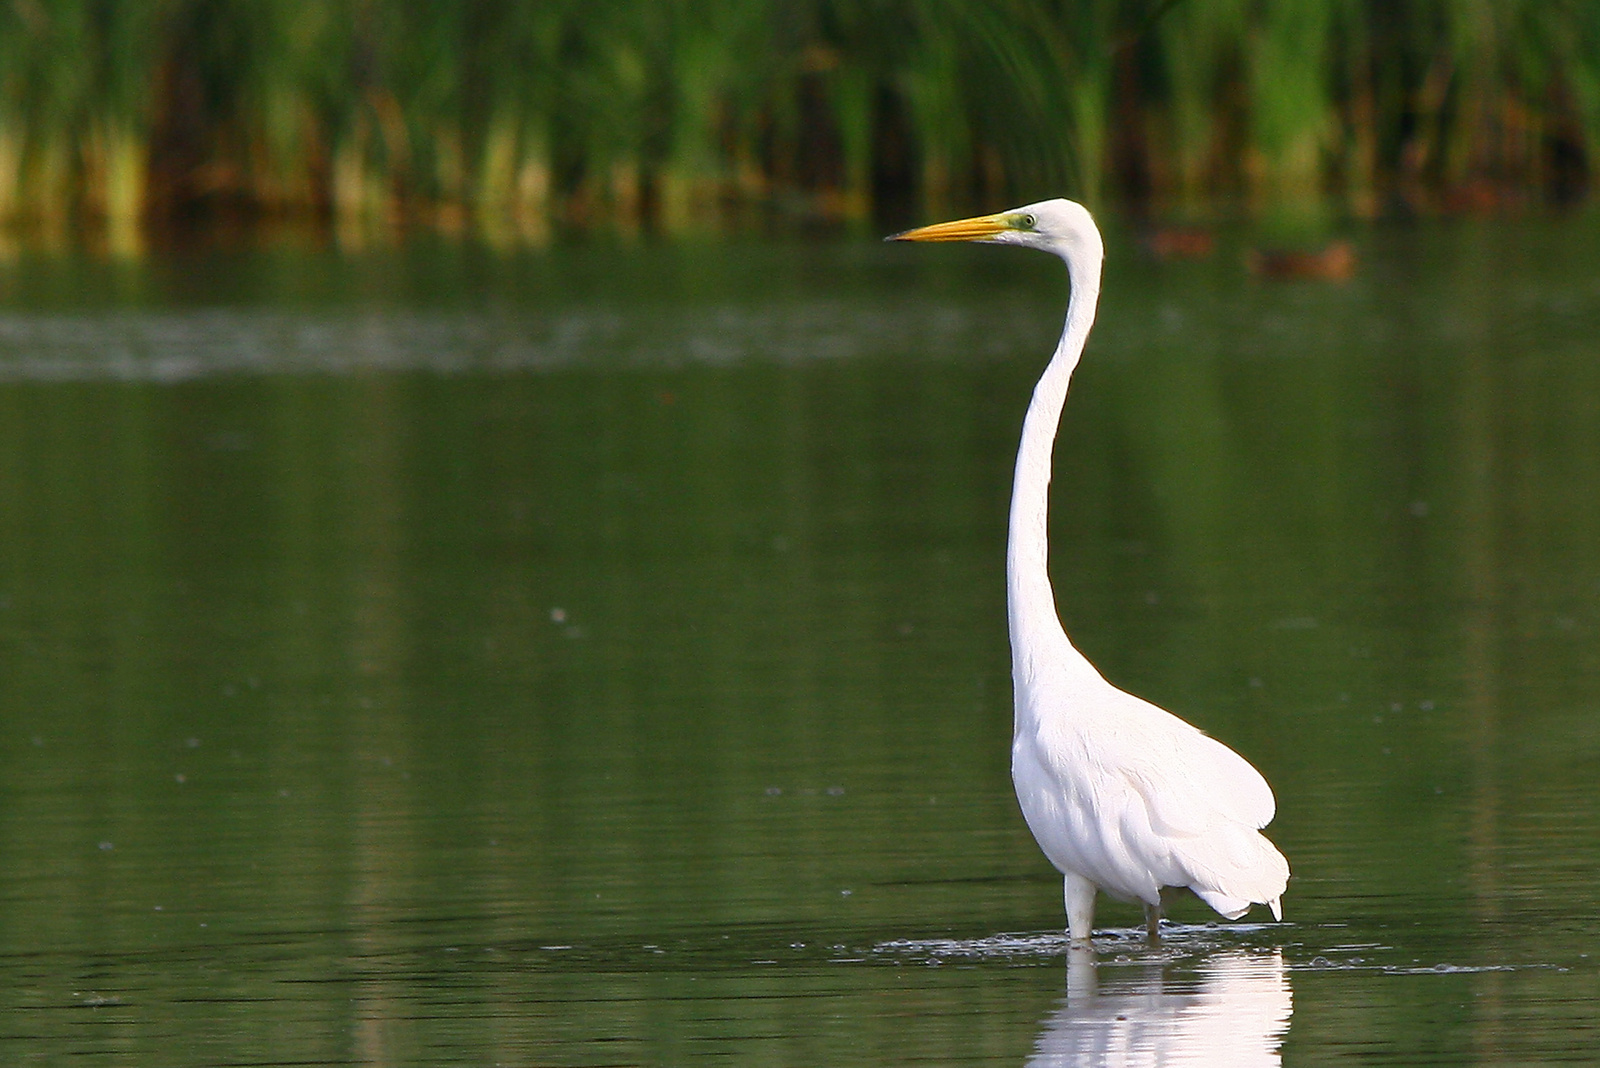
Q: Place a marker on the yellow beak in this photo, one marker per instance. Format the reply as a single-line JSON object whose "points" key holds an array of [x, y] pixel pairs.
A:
{"points": [[974, 229]]}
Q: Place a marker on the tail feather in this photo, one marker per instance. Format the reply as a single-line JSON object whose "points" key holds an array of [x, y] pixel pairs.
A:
{"points": [[1241, 869], [1231, 908]]}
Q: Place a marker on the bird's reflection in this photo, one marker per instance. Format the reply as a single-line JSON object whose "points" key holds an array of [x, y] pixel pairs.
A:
{"points": [[1232, 1012]]}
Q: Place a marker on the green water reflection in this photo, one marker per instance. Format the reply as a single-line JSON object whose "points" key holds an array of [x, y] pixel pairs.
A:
{"points": [[599, 657]]}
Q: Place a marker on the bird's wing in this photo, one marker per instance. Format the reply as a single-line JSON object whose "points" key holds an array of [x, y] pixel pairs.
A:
{"points": [[1186, 778]]}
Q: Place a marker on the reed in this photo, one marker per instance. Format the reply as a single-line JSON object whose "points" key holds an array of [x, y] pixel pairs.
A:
{"points": [[681, 114]]}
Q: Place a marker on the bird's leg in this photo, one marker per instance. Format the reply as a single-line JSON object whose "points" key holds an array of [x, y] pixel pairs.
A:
{"points": [[1081, 983], [1078, 893], [1153, 913]]}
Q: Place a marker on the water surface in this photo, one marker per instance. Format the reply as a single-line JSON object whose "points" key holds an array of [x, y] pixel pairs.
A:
{"points": [[598, 656]]}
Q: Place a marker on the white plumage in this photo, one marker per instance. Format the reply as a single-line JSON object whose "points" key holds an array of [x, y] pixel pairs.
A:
{"points": [[1122, 796]]}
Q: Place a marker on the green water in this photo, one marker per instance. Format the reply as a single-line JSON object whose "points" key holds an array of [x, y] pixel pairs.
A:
{"points": [[598, 657]]}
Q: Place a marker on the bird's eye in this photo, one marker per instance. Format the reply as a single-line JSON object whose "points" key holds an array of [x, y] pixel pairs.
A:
{"points": [[1028, 222]]}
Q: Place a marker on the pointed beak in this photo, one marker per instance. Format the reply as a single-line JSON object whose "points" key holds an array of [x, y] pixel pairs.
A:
{"points": [[978, 228]]}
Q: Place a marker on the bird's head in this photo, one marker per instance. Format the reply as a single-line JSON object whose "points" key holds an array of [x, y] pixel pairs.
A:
{"points": [[1063, 227]]}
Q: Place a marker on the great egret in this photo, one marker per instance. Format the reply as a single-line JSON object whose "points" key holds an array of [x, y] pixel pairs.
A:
{"points": [[1122, 796]]}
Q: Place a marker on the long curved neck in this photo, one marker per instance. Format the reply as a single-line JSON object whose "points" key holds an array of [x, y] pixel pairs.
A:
{"points": [[1035, 628]]}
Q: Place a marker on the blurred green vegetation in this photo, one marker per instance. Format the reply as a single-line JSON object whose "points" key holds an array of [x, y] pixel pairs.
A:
{"points": [[679, 114]]}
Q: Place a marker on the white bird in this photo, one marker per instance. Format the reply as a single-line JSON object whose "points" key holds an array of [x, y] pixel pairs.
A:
{"points": [[1121, 796]]}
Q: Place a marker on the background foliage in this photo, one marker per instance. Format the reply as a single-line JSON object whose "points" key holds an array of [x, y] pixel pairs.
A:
{"points": [[679, 113]]}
